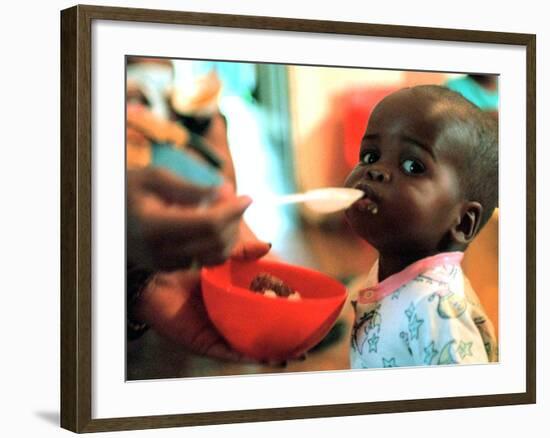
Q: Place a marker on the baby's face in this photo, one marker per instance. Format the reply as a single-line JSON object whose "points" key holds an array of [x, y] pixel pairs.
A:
{"points": [[408, 172]]}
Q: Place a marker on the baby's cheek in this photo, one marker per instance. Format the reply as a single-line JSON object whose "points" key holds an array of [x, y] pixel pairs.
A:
{"points": [[425, 217]]}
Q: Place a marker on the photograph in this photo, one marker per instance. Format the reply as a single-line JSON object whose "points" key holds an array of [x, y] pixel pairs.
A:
{"points": [[274, 219], [285, 218], [271, 219]]}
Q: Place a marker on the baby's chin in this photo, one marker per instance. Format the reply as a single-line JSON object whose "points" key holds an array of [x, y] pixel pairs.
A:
{"points": [[388, 239], [360, 224], [375, 229]]}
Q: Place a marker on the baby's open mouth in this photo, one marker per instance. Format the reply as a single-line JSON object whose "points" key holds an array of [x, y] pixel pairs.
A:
{"points": [[369, 202]]}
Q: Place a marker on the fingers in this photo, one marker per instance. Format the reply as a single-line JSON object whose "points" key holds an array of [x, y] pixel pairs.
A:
{"points": [[274, 363], [173, 189], [204, 252], [179, 222], [207, 341], [196, 222], [222, 351], [225, 191], [163, 186], [178, 236], [250, 250], [214, 199], [283, 363], [230, 209]]}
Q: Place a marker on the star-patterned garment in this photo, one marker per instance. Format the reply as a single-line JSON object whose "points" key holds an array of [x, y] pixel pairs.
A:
{"points": [[427, 314]]}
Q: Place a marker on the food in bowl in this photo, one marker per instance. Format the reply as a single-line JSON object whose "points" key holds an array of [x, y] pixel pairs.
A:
{"points": [[270, 329], [273, 287]]}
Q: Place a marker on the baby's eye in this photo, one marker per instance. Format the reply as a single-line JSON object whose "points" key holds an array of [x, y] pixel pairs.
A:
{"points": [[413, 166], [370, 157]]}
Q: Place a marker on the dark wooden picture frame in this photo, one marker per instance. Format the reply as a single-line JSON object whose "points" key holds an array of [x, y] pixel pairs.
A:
{"points": [[76, 217]]}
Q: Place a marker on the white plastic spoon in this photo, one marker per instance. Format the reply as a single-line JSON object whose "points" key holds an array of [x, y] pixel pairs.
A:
{"points": [[325, 200]]}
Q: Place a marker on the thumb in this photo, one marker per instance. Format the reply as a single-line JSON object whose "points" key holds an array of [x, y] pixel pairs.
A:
{"points": [[250, 250], [173, 189], [229, 209]]}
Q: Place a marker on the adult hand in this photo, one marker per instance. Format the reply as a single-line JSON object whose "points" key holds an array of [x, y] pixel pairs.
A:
{"points": [[172, 223], [172, 305]]}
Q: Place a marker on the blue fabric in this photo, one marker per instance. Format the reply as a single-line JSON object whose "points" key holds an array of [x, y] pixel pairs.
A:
{"points": [[184, 165], [239, 78], [475, 93]]}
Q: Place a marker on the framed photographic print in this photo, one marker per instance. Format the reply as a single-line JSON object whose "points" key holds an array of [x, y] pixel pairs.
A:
{"points": [[154, 101]]}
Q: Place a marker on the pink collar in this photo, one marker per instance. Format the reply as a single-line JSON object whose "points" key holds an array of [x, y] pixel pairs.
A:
{"points": [[395, 281]]}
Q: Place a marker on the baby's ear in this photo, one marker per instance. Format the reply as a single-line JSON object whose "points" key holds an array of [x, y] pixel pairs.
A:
{"points": [[467, 227]]}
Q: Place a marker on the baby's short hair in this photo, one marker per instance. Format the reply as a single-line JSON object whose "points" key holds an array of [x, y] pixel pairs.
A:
{"points": [[479, 170]]}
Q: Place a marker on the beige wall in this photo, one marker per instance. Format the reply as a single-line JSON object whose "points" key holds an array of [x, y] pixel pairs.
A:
{"points": [[312, 87]]}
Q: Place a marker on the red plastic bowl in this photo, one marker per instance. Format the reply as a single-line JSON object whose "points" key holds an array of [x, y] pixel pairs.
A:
{"points": [[267, 328]]}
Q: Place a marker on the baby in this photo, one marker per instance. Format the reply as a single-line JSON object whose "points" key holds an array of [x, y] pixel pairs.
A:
{"points": [[428, 165]]}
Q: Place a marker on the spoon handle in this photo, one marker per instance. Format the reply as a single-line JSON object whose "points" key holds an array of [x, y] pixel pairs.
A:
{"points": [[292, 198]]}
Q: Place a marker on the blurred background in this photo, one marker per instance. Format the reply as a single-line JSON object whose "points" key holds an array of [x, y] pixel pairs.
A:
{"points": [[277, 129]]}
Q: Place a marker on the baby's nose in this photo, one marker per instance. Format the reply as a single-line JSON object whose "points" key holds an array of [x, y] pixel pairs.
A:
{"points": [[379, 175]]}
